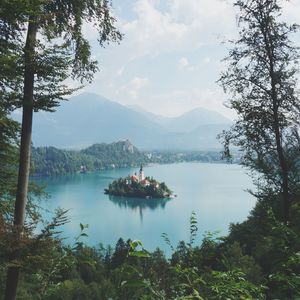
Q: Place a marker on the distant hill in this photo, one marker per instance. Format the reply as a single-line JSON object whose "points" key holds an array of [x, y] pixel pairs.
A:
{"points": [[48, 161], [87, 119], [52, 161]]}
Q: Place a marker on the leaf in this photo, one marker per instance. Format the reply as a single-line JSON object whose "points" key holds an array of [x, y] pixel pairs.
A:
{"points": [[165, 237], [134, 283], [81, 226], [141, 253], [134, 244]]}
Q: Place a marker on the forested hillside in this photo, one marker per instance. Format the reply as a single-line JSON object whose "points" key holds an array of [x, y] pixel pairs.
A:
{"points": [[52, 161], [48, 161]]}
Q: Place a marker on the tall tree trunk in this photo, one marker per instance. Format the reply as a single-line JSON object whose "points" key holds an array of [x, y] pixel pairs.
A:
{"points": [[24, 163], [277, 131], [280, 151], [284, 174]]}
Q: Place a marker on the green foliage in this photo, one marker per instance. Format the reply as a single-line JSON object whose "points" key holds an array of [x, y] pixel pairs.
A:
{"points": [[193, 228], [134, 252], [166, 157], [131, 188], [205, 272], [233, 285], [261, 80], [8, 163], [60, 52], [42, 45], [9, 158], [288, 278], [217, 268], [51, 161]]}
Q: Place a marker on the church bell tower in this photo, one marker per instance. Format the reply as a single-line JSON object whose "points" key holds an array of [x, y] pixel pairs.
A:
{"points": [[141, 174]]}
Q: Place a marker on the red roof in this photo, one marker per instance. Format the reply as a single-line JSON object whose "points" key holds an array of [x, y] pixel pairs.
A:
{"points": [[145, 181], [133, 177]]}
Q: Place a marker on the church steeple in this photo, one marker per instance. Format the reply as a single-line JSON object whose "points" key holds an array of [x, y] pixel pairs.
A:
{"points": [[141, 174]]}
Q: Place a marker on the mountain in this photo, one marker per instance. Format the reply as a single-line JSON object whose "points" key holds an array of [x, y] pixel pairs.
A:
{"points": [[202, 138], [186, 122], [195, 119], [87, 119], [149, 115]]}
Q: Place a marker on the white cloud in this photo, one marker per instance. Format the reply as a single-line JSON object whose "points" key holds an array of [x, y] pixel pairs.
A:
{"points": [[133, 87], [176, 30], [183, 62], [138, 82], [206, 60], [184, 25], [120, 71], [291, 11]]}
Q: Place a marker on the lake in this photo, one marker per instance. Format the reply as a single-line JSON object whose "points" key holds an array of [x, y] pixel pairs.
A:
{"points": [[216, 192]]}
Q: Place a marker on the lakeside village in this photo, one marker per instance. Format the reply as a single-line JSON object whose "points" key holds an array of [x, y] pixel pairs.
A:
{"points": [[139, 186]]}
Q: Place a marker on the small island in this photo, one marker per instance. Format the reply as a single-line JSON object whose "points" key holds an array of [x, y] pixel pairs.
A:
{"points": [[139, 187]]}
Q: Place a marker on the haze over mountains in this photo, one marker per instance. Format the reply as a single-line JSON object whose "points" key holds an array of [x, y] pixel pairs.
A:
{"points": [[89, 118]]}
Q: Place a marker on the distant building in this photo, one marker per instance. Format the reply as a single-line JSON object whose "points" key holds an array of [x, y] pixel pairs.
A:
{"points": [[141, 174], [145, 182], [140, 178], [134, 178], [83, 169]]}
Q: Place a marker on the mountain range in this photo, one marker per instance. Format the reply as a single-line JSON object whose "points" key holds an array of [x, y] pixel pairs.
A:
{"points": [[88, 118]]}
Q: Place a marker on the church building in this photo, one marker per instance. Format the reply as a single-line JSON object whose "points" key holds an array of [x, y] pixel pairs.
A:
{"points": [[140, 178], [141, 174]]}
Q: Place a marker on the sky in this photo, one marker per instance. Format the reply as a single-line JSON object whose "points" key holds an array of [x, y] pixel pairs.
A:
{"points": [[171, 54]]}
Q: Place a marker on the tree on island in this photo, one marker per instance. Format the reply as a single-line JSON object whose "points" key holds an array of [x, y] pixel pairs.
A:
{"points": [[42, 45], [149, 187], [261, 81]]}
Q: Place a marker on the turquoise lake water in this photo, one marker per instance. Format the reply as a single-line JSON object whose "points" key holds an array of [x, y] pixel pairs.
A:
{"points": [[216, 192]]}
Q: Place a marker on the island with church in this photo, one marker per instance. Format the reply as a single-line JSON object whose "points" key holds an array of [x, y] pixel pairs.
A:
{"points": [[138, 186]]}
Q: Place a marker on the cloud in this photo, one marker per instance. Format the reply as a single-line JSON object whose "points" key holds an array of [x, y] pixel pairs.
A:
{"points": [[160, 36], [183, 62], [138, 82], [133, 87], [120, 71], [291, 11], [183, 25]]}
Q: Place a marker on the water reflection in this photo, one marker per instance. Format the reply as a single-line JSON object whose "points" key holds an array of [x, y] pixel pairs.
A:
{"points": [[139, 204]]}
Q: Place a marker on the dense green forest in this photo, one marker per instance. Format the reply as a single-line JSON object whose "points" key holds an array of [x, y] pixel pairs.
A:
{"points": [[47, 161], [165, 157], [258, 259], [51, 161]]}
